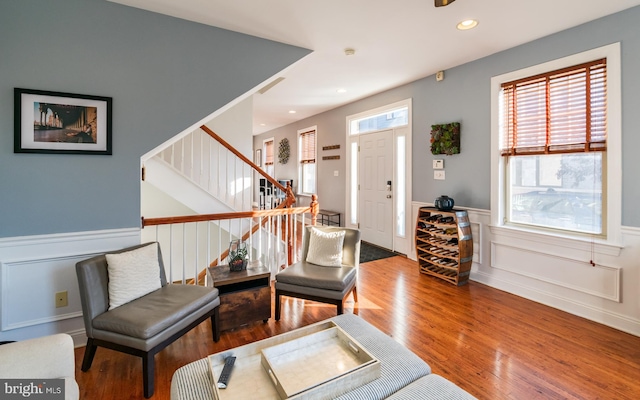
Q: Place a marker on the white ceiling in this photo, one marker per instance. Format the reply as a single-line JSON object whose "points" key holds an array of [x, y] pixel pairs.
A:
{"points": [[396, 42]]}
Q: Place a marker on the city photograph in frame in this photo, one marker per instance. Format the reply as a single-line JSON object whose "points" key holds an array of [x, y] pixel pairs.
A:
{"points": [[62, 123]]}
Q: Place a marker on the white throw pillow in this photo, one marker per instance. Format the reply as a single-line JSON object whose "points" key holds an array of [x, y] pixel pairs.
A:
{"points": [[325, 248], [132, 274]]}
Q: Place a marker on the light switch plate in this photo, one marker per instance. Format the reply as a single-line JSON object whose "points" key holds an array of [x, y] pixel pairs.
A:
{"points": [[438, 164], [439, 175]]}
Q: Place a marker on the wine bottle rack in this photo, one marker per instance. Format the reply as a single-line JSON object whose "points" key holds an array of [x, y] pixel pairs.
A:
{"points": [[444, 245]]}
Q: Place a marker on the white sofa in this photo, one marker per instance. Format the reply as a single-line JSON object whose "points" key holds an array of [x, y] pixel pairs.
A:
{"points": [[49, 357]]}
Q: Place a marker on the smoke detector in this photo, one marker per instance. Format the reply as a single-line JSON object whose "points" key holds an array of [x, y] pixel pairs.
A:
{"points": [[349, 52]]}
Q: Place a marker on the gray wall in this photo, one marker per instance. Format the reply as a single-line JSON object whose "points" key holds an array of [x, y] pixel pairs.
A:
{"points": [[164, 74], [464, 96]]}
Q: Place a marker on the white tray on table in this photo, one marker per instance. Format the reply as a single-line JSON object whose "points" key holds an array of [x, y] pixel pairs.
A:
{"points": [[319, 361]]}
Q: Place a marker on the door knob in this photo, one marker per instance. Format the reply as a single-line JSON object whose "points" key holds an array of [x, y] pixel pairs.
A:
{"points": [[388, 196]]}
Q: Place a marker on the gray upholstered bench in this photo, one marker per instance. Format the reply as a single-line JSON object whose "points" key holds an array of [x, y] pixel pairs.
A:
{"points": [[145, 325], [400, 370]]}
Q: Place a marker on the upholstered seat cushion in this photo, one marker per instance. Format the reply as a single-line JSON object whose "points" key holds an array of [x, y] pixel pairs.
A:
{"points": [[157, 311], [431, 387], [310, 275]]}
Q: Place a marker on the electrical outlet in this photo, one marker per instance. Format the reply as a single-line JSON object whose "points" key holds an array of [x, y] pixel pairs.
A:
{"points": [[61, 299], [335, 173], [438, 174]]}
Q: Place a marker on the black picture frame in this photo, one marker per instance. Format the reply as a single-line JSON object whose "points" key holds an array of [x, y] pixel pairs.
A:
{"points": [[61, 123]]}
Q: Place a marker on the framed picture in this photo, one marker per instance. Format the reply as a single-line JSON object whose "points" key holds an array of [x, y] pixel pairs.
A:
{"points": [[258, 161], [62, 123]]}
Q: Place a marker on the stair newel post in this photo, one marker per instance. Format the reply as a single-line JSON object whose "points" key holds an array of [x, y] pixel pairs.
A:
{"points": [[314, 209]]}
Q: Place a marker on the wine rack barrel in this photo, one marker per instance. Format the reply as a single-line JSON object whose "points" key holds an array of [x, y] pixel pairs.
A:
{"points": [[444, 244]]}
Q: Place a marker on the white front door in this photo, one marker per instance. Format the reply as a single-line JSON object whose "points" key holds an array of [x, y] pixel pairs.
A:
{"points": [[375, 200]]}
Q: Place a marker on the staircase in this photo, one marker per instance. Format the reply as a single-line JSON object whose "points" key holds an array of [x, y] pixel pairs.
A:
{"points": [[211, 178]]}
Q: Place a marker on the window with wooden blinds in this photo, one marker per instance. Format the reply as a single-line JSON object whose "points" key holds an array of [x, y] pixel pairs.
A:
{"points": [[268, 153], [308, 147], [562, 111]]}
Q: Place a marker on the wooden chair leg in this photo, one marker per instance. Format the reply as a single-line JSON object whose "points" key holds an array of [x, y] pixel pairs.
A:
{"points": [[340, 306], [215, 324], [89, 353], [355, 294], [277, 306], [148, 374]]}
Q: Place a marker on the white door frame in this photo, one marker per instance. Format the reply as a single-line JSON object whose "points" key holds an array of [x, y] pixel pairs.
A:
{"points": [[401, 240]]}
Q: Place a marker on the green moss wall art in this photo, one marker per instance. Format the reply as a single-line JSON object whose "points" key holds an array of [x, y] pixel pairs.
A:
{"points": [[445, 138]]}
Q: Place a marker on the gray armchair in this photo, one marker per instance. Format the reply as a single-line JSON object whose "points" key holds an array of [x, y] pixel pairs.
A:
{"points": [[145, 325], [319, 283]]}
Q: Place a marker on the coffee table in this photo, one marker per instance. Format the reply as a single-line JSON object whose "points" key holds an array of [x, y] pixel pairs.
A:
{"points": [[245, 296]]}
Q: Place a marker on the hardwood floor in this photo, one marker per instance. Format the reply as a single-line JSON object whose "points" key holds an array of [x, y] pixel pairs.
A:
{"points": [[493, 344]]}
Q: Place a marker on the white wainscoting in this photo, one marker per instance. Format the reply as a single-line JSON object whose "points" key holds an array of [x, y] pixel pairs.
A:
{"points": [[34, 268], [598, 280], [557, 272]]}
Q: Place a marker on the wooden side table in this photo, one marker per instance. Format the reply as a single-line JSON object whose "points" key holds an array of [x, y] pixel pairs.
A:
{"points": [[245, 296]]}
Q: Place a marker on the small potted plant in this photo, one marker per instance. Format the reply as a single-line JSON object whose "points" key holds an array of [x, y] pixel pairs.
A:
{"points": [[238, 255]]}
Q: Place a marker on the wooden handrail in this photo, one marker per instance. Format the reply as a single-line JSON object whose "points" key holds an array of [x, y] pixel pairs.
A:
{"points": [[242, 157], [232, 215]]}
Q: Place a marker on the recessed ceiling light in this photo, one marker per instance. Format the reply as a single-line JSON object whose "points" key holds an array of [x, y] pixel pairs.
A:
{"points": [[263, 124], [467, 24], [292, 111], [341, 90]]}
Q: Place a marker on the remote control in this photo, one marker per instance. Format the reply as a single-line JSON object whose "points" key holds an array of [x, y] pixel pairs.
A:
{"points": [[226, 372]]}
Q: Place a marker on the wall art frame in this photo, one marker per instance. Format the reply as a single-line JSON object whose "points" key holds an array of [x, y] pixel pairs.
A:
{"points": [[445, 138], [61, 123]]}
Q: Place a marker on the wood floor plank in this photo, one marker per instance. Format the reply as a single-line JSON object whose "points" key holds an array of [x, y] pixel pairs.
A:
{"points": [[493, 344]]}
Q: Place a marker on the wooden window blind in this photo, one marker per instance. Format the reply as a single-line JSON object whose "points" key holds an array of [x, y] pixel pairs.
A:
{"points": [[308, 147], [562, 111], [268, 153]]}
